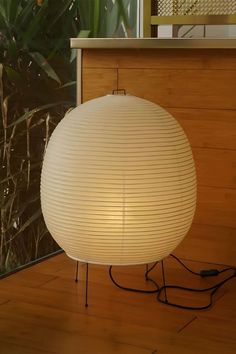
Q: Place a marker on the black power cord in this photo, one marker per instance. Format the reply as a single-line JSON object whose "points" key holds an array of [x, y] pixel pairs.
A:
{"points": [[143, 291], [213, 289], [159, 290], [205, 272]]}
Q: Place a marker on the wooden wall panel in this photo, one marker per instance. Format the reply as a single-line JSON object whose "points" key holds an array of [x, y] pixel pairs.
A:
{"points": [[215, 167], [166, 58], [208, 128], [216, 206], [198, 88], [98, 82], [211, 89], [210, 243]]}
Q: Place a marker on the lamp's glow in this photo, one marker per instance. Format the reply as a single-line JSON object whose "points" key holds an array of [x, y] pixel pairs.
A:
{"points": [[118, 182]]}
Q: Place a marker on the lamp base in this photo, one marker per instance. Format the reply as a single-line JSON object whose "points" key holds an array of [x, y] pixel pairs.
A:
{"points": [[161, 291]]}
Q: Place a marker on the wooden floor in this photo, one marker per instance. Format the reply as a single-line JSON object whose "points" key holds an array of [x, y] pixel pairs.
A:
{"points": [[42, 311]]}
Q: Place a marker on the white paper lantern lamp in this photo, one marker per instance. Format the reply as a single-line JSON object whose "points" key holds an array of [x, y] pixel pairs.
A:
{"points": [[118, 182]]}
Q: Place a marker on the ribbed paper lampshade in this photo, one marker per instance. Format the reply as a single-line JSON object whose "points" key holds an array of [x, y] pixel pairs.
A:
{"points": [[118, 182]]}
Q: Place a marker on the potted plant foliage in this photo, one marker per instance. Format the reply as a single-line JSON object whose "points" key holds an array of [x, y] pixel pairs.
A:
{"points": [[37, 87]]}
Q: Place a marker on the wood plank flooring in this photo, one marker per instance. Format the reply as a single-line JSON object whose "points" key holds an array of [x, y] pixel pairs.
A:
{"points": [[42, 311]]}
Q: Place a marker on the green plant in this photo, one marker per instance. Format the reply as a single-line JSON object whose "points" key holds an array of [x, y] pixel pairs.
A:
{"points": [[37, 87], [107, 18]]}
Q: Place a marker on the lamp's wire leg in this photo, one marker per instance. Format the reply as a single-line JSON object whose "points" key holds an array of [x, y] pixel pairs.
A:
{"points": [[77, 271], [146, 273], [86, 289], [164, 281]]}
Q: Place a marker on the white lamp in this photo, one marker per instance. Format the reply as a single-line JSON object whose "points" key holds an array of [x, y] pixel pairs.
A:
{"points": [[118, 182]]}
